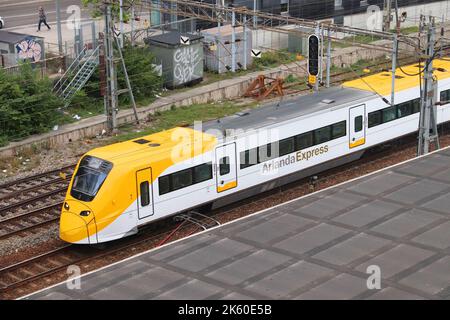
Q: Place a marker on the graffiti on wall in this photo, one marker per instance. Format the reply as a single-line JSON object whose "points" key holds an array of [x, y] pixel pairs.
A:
{"points": [[29, 49], [186, 61]]}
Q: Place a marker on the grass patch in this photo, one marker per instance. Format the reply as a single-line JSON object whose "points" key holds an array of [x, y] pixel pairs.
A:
{"points": [[182, 116]]}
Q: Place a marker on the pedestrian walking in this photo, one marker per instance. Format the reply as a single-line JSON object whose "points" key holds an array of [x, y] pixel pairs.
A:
{"points": [[42, 19]]}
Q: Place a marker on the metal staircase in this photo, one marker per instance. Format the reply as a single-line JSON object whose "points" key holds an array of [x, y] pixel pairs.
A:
{"points": [[77, 74]]}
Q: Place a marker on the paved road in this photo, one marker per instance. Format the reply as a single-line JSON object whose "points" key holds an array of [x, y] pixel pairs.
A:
{"points": [[24, 12]]}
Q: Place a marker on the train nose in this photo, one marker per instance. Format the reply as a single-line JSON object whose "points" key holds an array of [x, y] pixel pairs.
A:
{"points": [[73, 229]]}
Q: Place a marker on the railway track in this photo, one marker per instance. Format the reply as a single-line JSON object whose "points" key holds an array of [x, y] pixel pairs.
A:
{"points": [[32, 202], [57, 260], [26, 222]]}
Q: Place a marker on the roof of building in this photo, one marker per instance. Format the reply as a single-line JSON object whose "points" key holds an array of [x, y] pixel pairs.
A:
{"points": [[172, 38], [13, 37], [406, 78], [225, 30]]}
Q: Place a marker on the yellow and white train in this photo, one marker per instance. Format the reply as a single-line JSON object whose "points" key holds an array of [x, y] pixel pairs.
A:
{"points": [[120, 187]]}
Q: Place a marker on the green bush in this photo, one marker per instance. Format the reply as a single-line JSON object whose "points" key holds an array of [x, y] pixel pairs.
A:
{"points": [[145, 81], [274, 58], [27, 104]]}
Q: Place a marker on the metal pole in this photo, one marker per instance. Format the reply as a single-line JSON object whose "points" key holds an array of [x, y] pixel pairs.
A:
{"points": [[254, 16], [111, 92], [394, 67], [244, 27], [321, 53], [328, 58], [127, 80], [317, 32], [233, 42], [132, 24], [94, 38], [58, 26], [428, 117], [387, 15], [121, 23]]}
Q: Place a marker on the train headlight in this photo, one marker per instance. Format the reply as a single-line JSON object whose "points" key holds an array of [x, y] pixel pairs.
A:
{"points": [[66, 206], [85, 213]]}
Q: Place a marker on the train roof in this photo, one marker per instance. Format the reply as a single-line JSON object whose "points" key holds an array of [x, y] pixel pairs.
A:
{"points": [[157, 147], [284, 110], [406, 78]]}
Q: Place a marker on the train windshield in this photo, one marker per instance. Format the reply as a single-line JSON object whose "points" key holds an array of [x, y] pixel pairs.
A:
{"points": [[89, 178]]}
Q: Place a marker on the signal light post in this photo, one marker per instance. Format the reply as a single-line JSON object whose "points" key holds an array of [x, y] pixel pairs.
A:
{"points": [[314, 60]]}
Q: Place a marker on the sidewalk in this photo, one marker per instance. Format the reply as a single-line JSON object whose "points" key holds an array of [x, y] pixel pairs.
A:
{"points": [[68, 31]]}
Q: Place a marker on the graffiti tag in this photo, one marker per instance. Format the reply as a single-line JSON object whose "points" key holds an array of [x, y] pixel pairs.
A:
{"points": [[29, 49], [186, 61]]}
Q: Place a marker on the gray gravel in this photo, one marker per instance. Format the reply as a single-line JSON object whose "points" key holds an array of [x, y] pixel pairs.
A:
{"points": [[13, 244]]}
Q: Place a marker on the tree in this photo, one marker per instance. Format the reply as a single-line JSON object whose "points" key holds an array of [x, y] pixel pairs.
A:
{"points": [[27, 104], [96, 6], [145, 81]]}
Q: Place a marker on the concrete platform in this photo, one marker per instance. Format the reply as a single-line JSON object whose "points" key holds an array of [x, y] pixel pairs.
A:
{"points": [[315, 247]]}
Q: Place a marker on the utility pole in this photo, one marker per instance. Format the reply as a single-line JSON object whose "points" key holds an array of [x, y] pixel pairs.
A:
{"points": [[428, 132], [233, 41], [112, 92], [132, 24], [111, 80], [328, 58], [121, 23], [244, 29], [387, 15], [58, 26], [394, 67]]}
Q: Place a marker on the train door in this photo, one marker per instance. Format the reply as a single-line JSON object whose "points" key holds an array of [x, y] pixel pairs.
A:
{"points": [[226, 167], [357, 134], [144, 191]]}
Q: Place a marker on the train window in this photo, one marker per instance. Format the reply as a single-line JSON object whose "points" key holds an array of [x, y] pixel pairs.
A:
{"points": [[249, 158], [224, 165], [416, 105], [303, 141], [265, 153], [181, 179], [389, 114], [322, 135], [286, 146], [358, 123], [374, 118], [339, 130], [445, 95], [404, 109], [202, 172], [164, 185], [145, 193]]}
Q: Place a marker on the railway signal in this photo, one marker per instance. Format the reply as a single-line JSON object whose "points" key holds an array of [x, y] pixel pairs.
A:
{"points": [[313, 58]]}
